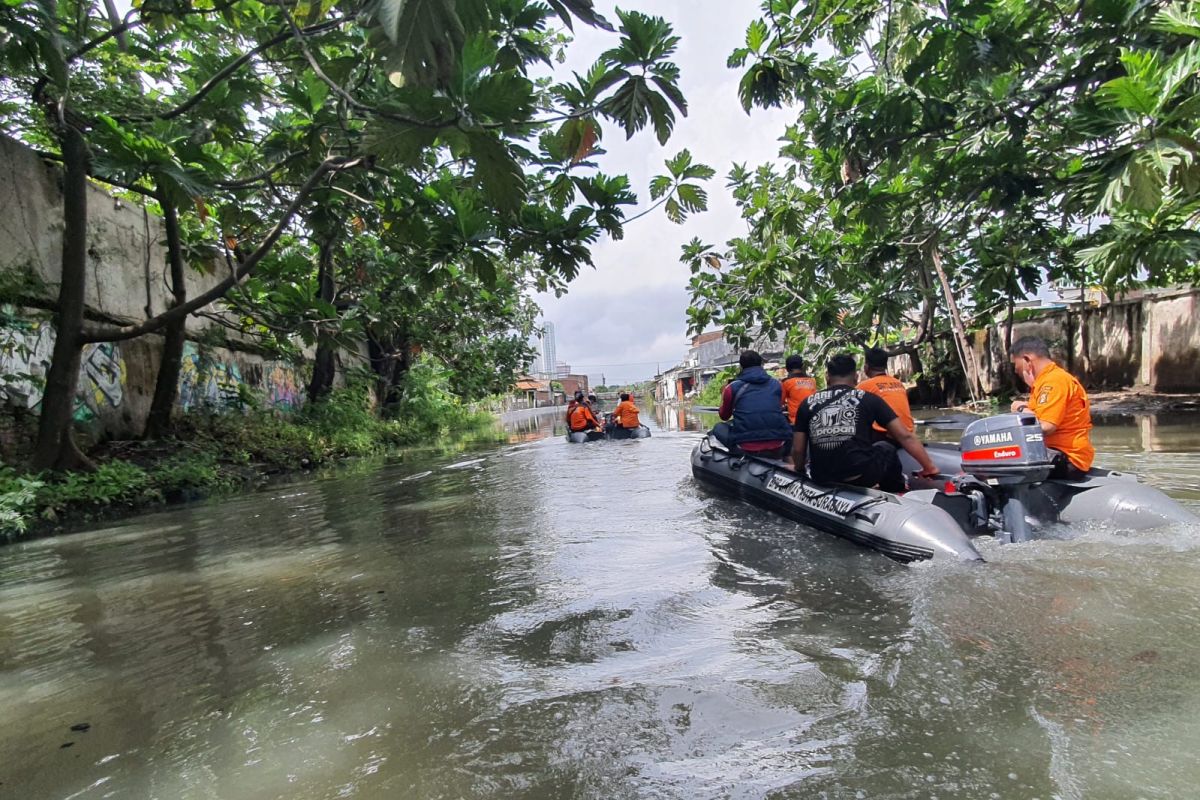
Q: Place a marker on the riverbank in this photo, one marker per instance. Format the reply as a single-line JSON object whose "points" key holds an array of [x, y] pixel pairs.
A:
{"points": [[208, 456]]}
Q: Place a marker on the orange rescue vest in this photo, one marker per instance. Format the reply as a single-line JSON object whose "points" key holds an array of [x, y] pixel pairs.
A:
{"points": [[795, 390], [626, 414]]}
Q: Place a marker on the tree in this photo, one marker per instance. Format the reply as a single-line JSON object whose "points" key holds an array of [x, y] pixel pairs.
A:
{"points": [[945, 157], [253, 114]]}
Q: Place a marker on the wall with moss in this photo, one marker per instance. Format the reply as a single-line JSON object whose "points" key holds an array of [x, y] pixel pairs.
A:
{"points": [[127, 281]]}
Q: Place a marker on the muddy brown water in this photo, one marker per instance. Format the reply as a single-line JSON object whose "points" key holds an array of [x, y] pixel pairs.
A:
{"points": [[543, 620]]}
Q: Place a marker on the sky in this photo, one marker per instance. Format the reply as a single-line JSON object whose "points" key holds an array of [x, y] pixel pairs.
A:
{"points": [[626, 319]]}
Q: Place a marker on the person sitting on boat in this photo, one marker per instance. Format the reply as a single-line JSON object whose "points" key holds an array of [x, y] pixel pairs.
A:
{"points": [[836, 422], [625, 415], [576, 400], [890, 390], [1060, 403], [580, 416], [752, 411], [796, 386]]}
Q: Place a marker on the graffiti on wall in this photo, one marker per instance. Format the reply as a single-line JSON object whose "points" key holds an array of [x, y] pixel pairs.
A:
{"points": [[26, 348], [209, 382], [284, 389], [206, 383], [101, 380], [25, 352]]}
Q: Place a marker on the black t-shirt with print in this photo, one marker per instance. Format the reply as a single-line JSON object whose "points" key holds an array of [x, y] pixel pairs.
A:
{"points": [[838, 423]]}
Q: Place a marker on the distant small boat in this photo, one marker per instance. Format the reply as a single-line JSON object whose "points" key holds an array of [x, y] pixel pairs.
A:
{"points": [[610, 432]]}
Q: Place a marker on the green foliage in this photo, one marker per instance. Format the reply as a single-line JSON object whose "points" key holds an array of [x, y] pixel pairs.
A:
{"points": [[954, 156], [114, 483], [417, 188], [986, 136], [17, 498], [220, 453], [710, 395]]}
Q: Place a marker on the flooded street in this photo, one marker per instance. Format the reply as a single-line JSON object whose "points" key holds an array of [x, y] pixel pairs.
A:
{"points": [[544, 620]]}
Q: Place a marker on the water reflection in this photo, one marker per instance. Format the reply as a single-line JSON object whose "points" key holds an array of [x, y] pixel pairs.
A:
{"points": [[545, 620]]}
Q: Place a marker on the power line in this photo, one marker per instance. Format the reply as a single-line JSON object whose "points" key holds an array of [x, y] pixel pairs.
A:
{"points": [[627, 364]]}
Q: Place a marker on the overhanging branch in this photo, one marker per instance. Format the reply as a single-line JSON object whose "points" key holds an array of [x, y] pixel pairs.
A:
{"points": [[240, 273]]}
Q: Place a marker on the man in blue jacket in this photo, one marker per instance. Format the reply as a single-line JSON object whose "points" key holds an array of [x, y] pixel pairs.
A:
{"points": [[753, 405]]}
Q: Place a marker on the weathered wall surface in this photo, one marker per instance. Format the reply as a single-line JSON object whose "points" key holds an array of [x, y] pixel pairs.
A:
{"points": [[128, 275], [116, 379], [127, 282], [1151, 341]]}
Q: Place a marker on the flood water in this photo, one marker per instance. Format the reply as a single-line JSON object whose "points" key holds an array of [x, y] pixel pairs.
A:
{"points": [[544, 620]]}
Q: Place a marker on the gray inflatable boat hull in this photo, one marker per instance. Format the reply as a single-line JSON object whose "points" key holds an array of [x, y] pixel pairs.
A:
{"points": [[640, 432], [1103, 496], [579, 437], [904, 529]]}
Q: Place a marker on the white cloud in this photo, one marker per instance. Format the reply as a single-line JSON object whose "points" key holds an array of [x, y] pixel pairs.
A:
{"points": [[642, 271]]}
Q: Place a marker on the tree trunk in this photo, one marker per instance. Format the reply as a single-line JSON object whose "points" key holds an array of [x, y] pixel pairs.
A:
{"points": [[966, 354], [1008, 326], [390, 363], [56, 448], [324, 366], [166, 386]]}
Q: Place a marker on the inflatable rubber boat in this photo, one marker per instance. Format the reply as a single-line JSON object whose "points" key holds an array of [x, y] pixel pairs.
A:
{"points": [[579, 437], [995, 482], [610, 432]]}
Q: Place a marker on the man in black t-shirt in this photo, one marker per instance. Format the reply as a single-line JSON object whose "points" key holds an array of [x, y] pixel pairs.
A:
{"points": [[833, 433]]}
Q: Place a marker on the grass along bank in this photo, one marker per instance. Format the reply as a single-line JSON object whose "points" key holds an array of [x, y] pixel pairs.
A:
{"points": [[210, 455]]}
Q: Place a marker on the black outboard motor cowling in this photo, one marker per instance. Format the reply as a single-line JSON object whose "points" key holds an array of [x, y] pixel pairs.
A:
{"points": [[1005, 449], [1007, 452]]}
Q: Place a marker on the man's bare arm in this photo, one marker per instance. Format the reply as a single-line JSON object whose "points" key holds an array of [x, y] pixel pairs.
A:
{"points": [[912, 444]]}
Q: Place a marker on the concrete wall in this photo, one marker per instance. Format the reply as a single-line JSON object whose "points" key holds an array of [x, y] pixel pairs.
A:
{"points": [[1152, 341], [127, 282], [116, 379], [126, 245]]}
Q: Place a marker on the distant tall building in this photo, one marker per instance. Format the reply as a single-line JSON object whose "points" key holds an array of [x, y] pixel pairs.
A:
{"points": [[549, 350], [561, 369], [545, 360]]}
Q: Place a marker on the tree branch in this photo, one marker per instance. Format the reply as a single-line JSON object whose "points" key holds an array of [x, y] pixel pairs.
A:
{"points": [[340, 91], [242, 271], [232, 67]]}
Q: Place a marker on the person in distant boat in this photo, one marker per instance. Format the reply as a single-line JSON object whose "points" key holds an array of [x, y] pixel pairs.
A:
{"points": [[752, 411], [796, 386], [625, 415], [576, 400], [890, 390], [836, 424], [1061, 405], [580, 416]]}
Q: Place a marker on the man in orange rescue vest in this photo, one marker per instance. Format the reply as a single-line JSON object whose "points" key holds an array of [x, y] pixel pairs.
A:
{"points": [[890, 390], [626, 413], [796, 386], [580, 416], [1060, 403]]}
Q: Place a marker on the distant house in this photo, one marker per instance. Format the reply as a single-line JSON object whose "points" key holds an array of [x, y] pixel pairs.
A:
{"points": [[533, 393], [573, 383], [708, 354]]}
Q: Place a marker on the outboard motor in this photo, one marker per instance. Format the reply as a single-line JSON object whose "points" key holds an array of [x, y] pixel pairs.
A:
{"points": [[1007, 454]]}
